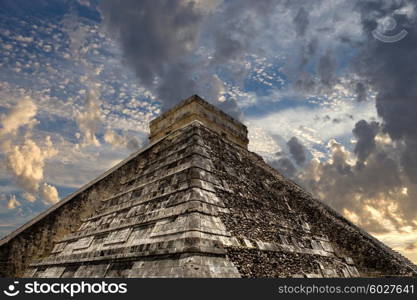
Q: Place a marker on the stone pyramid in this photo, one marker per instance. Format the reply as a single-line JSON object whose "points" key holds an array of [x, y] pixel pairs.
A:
{"points": [[195, 203]]}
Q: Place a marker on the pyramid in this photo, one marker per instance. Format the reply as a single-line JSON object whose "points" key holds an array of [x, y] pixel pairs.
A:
{"points": [[195, 203]]}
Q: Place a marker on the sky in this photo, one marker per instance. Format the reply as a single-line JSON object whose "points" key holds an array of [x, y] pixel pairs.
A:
{"points": [[327, 89]]}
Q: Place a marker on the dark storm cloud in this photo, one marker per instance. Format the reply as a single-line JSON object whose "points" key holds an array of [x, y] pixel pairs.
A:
{"points": [[285, 166], [344, 186], [391, 70], [409, 159], [326, 69], [301, 21], [133, 144], [160, 42], [155, 37], [365, 133], [230, 106], [297, 150], [283, 163], [361, 92]]}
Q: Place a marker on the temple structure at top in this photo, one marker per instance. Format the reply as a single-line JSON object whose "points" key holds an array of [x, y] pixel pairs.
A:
{"points": [[195, 108]]}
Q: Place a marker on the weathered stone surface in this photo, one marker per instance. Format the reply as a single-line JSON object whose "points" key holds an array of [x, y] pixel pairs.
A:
{"points": [[195, 204]]}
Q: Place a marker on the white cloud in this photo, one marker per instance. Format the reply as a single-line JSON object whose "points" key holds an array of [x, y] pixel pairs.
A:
{"points": [[312, 125], [13, 203], [29, 197], [23, 114], [26, 162], [24, 158], [204, 6], [120, 141], [49, 194], [89, 120]]}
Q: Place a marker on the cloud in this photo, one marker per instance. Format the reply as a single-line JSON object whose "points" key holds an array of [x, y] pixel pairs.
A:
{"points": [[13, 203], [49, 194], [284, 165], [326, 69], [89, 120], [387, 68], [297, 150], [301, 21], [25, 159], [204, 5], [361, 91], [77, 35], [411, 246], [30, 196], [365, 133], [314, 128], [281, 160], [370, 192], [229, 104], [181, 45], [84, 2], [23, 114], [169, 32], [377, 184], [26, 162], [121, 141]]}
